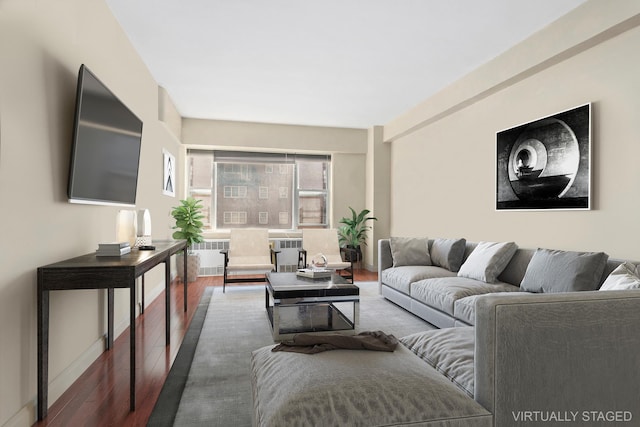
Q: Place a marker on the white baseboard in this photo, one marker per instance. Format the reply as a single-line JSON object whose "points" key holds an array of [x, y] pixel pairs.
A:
{"points": [[28, 413], [24, 418], [62, 382]]}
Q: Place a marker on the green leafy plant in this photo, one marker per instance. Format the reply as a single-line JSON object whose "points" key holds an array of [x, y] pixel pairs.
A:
{"points": [[354, 231], [188, 216]]}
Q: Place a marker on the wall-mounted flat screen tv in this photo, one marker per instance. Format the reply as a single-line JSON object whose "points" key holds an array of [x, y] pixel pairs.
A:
{"points": [[105, 154]]}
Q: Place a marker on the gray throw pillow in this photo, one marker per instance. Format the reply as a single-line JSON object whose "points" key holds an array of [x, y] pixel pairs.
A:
{"points": [[487, 261], [448, 253], [410, 251], [563, 271]]}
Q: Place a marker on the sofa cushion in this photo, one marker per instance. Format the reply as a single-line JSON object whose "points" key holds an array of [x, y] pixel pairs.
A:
{"points": [[464, 309], [563, 271], [487, 261], [409, 251], [400, 278], [442, 293], [624, 277], [448, 253], [450, 351]]}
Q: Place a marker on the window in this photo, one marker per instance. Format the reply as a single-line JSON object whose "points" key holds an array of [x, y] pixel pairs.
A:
{"points": [[235, 218], [235, 171], [200, 168], [312, 191], [263, 193], [241, 188], [235, 191], [263, 218]]}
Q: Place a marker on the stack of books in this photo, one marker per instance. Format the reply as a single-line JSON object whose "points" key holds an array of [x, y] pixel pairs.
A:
{"points": [[113, 249], [314, 273]]}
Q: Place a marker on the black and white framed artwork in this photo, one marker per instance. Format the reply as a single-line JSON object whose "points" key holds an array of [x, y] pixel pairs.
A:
{"points": [[169, 174], [545, 164]]}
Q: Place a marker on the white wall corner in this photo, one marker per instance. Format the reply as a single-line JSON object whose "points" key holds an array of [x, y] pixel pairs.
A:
{"points": [[168, 113]]}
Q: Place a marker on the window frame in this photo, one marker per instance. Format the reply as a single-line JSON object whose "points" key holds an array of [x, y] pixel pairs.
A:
{"points": [[269, 160]]}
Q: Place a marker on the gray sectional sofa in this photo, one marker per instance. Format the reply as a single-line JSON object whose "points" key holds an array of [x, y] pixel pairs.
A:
{"points": [[528, 349], [436, 292]]}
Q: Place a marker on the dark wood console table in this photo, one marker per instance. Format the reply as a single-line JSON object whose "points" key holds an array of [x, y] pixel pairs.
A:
{"points": [[94, 272]]}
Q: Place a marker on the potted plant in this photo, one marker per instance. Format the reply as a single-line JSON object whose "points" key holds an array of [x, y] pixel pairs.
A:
{"points": [[353, 233], [188, 216]]}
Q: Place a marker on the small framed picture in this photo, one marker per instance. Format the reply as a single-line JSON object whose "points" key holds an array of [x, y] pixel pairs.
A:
{"points": [[169, 175], [546, 164]]}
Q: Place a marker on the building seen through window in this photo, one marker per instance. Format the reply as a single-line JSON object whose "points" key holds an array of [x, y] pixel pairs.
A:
{"points": [[260, 190]]}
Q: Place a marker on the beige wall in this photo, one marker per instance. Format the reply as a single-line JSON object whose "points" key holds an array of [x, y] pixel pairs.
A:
{"points": [[348, 148], [42, 45], [348, 186], [443, 151]]}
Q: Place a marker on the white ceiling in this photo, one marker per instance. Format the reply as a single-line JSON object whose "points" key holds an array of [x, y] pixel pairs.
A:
{"points": [[345, 63]]}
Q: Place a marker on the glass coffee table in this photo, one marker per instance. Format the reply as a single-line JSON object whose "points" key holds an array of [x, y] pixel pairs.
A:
{"points": [[298, 304]]}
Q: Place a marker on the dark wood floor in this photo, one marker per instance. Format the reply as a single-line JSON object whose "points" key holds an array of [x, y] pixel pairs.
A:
{"points": [[100, 397]]}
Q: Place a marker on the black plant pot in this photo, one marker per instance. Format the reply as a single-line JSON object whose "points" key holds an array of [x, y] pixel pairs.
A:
{"points": [[352, 253]]}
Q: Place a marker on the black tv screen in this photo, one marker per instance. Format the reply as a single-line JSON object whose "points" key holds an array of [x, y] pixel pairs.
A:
{"points": [[106, 146]]}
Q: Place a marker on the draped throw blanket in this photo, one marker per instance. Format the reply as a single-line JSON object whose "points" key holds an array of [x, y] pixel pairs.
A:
{"points": [[314, 343]]}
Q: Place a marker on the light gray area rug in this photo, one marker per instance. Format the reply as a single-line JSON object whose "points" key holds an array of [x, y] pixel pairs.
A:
{"points": [[218, 387]]}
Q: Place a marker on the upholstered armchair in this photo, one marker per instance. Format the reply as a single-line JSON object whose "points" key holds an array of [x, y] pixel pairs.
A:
{"points": [[249, 254], [325, 242]]}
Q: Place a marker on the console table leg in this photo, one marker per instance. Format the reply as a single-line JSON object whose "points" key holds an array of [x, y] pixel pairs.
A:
{"points": [[110, 294], [132, 343], [142, 297], [167, 301], [43, 351], [186, 279]]}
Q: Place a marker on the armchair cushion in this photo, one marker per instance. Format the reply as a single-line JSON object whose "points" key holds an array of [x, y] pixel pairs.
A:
{"points": [[250, 263]]}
